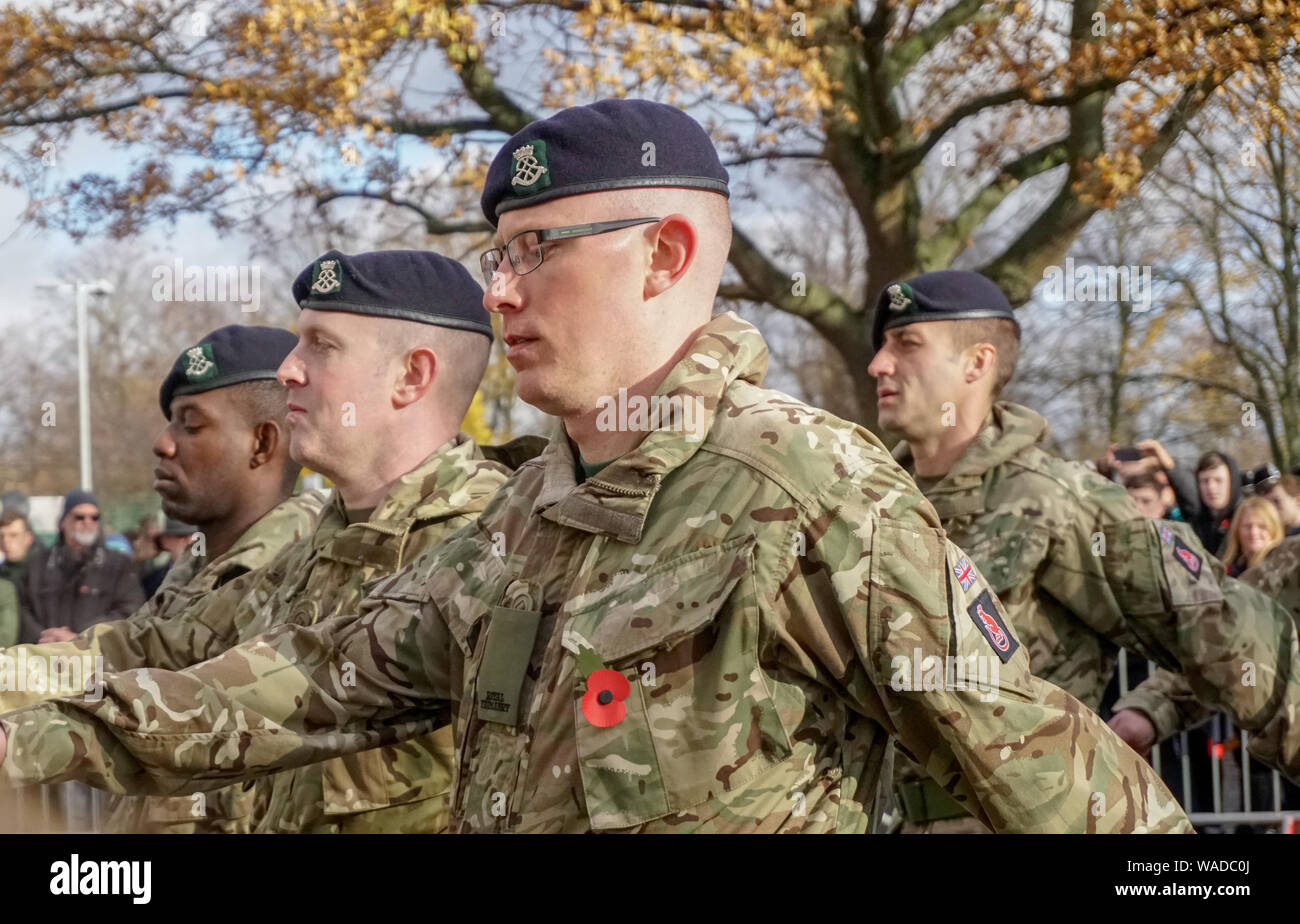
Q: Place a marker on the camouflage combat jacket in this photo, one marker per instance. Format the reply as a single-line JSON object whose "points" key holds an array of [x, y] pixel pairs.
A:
{"points": [[188, 584], [715, 634], [191, 579], [322, 575]]}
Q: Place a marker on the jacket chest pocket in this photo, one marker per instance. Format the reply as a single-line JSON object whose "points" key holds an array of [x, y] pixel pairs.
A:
{"points": [[698, 718]]}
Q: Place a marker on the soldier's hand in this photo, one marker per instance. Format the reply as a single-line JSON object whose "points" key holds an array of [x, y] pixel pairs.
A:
{"points": [[1135, 728], [57, 634]]}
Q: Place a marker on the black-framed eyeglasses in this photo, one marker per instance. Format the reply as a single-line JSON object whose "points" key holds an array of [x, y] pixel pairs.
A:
{"points": [[525, 250], [86, 517]]}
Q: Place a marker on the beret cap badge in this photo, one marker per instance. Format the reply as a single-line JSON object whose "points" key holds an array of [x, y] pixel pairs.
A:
{"points": [[900, 296], [199, 363], [326, 278], [531, 169]]}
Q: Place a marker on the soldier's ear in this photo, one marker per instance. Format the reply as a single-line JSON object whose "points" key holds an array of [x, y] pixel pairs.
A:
{"points": [[980, 360], [673, 251], [266, 440], [415, 377]]}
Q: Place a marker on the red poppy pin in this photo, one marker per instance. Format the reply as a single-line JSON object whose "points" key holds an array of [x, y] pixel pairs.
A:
{"points": [[602, 703]]}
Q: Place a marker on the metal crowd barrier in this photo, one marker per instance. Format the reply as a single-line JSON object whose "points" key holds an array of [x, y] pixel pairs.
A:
{"points": [[1231, 800]]}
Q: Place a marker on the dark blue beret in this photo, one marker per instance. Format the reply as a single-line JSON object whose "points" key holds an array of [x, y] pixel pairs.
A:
{"points": [[947, 295], [227, 356], [411, 285], [612, 144]]}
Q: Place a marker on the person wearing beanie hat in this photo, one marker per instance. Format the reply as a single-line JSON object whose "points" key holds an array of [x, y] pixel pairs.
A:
{"points": [[946, 346], [689, 607], [80, 582]]}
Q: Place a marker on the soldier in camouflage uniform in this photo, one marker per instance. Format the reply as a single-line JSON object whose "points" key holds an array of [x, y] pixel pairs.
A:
{"points": [[392, 348], [1164, 704], [1080, 570], [223, 465], [706, 607]]}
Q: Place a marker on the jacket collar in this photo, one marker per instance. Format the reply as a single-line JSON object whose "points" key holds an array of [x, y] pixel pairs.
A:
{"points": [[293, 517], [1008, 430], [456, 478], [617, 500]]}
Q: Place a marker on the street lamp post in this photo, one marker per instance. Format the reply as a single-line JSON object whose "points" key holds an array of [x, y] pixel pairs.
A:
{"points": [[83, 291]]}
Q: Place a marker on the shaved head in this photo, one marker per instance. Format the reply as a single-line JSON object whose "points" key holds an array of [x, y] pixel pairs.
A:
{"points": [[708, 211], [462, 358]]}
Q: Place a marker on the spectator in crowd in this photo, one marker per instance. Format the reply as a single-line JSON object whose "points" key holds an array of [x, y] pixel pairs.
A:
{"points": [[1282, 490], [1207, 497], [1256, 530], [1148, 493], [1134, 464], [172, 541], [21, 551], [18, 544], [79, 582]]}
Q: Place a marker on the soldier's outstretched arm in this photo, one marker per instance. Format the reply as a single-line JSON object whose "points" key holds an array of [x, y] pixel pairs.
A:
{"points": [[294, 696], [1019, 753], [146, 639], [1165, 698], [1150, 586]]}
